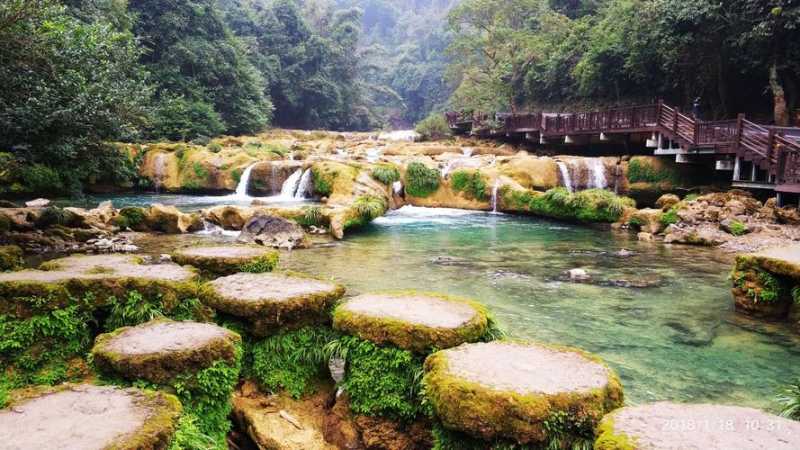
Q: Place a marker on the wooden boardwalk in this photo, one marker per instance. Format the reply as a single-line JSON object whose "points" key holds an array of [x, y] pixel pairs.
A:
{"points": [[759, 156]]}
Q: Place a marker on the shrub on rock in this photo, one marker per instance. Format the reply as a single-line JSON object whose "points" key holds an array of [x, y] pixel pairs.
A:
{"points": [[420, 180], [529, 393], [10, 257]]}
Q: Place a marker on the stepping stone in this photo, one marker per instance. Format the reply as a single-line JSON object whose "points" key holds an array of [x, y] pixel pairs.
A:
{"points": [[161, 349], [228, 259], [88, 417], [506, 389], [103, 275], [270, 301], [664, 425], [412, 321]]}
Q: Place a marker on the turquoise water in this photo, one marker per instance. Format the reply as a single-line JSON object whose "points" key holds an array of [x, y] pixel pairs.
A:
{"points": [[183, 202], [662, 317]]}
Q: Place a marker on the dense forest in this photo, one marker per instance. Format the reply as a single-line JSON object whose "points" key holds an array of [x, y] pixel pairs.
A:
{"points": [[77, 74]]}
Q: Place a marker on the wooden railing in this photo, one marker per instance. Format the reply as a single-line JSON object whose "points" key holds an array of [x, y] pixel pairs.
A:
{"points": [[774, 149]]}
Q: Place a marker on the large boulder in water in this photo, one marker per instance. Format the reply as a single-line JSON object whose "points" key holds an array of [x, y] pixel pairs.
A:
{"points": [[229, 217], [170, 219], [273, 231]]}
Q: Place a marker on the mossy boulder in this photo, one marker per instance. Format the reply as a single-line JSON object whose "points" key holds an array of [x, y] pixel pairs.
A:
{"points": [[648, 220], [100, 276], [271, 301], [89, 417], [529, 393], [334, 180], [228, 259], [10, 257], [412, 321], [162, 349], [664, 425], [762, 282], [169, 219]]}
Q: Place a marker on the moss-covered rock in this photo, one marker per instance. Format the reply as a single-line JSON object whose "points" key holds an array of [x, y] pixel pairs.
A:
{"points": [[412, 321], [86, 416], [648, 220], [334, 180], [592, 205], [162, 349], [10, 257], [228, 259], [170, 219], [530, 393], [664, 425], [99, 276], [270, 301], [763, 282]]}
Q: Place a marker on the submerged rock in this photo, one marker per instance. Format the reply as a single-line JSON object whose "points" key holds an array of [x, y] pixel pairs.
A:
{"points": [[88, 417], [412, 321], [37, 203], [161, 349], [664, 425], [273, 231], [510, 389]]}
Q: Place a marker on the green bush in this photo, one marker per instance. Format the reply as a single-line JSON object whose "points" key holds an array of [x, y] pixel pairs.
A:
{"points": [[386, 174], [789, 399], [369, 207], [133, 215], [322, 185], [670, 217], [470, 182], [433, 127], [41, 179], [179, 119], [421, 181], [641, 171], [291, 360], [312, 216], [381, 381], [738, 228], [592, 205]]}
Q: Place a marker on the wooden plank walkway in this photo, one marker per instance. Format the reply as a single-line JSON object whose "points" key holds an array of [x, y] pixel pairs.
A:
{"points": [[774, 150]]}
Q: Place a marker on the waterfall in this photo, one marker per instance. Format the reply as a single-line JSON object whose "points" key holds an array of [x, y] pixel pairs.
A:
{"points": [[212, 229], [304, 187], [565, 177], [373, 154], [397, 187], [495, 189], [466, 151], [290, 185], [448, 167], [158, 171], [597, 172], [244, 182]]}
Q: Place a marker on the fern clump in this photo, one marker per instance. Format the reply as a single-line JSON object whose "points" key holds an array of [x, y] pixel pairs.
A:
{"points": [[470, 182], [420, 180], [386, 174]]}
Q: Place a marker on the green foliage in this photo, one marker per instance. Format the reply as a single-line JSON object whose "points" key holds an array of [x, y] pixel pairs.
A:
{"points": [[433, 127], [447, 439], [641, 171], [189, 435], [421, 181], [592, 205], [386, 173], [136, 308], [312, 216], [789, 399], [670, 217], [323, 185], [134, 216], [10, 258], [291, 360], [738, 228], [382, 381], [471, 182], [261, 264], [178, 118], [369, 207], [41, 179], [214, 147], [796, 295], [770, 287]]}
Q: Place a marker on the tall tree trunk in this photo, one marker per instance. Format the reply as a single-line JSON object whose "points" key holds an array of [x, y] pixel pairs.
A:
{"points": [[780, 110]]}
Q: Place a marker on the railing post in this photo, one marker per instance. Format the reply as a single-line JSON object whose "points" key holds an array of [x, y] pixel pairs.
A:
{"points": [[675, 121], [770, 145], [659, 106], [779, 175], [739, 130], [696, 140]]}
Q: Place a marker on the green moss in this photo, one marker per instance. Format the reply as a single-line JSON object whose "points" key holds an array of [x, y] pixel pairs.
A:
{"points": [[323, 182], [411, 336], [758, 284], [670, 217], [220, 265], [738, 228], [608, 439], [446, 439], [543, 419], [291, 360], [134, 216], [312, 216], [592, 205], [386, 173], [135, 308], [369, 207], [641, 170], [199, 170], [265, 263], [189, 435], [421, 181], [471, 182], [381, 381], [10, 258]]}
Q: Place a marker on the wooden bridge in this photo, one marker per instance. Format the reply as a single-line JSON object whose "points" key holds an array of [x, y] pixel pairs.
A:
{"points": [[759, 156]]}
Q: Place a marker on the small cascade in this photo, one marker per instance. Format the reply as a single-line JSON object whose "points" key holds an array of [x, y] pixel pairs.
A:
{"points": [[495, 190], [466, 151], [159, 170], [289, 187], [566, 179], [244, 182], [373, 154], [212, 229], [449, 167], [397, 187], [304, 187], [597, 173]]}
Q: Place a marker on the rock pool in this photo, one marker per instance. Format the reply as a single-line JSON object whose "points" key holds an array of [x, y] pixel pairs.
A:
{"points": [[661, 316]]}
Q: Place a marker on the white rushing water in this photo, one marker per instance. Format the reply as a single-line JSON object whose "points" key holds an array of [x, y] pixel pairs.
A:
{"points": [[373, 154], [409, 214], [160, 167], [495, 189], [397, 187], [244, 182], [289, 187], [566, 179], [466, 151], [597, 173], [304, 187], [212, 229]]}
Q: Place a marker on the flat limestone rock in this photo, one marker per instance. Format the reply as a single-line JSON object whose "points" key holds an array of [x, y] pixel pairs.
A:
{"points": [[664, 425], [161, 349], [228, 259], [88, 417], [412, 321], [780, 260], [508, 389], [272, 300], [103, 275]]}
